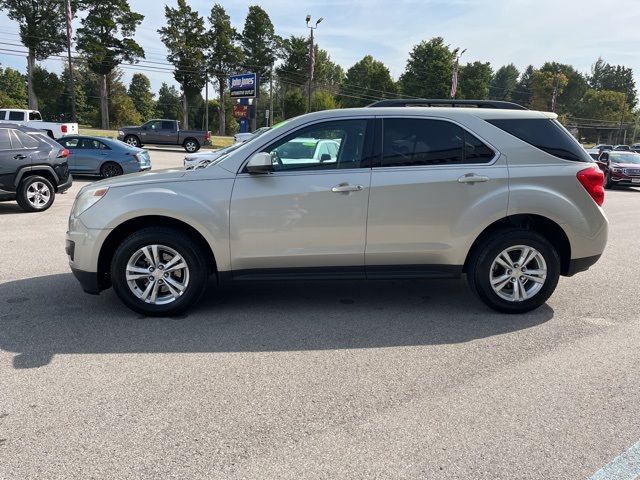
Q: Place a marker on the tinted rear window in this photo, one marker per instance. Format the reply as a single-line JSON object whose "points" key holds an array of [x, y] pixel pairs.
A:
{"points": [[547, 135]]}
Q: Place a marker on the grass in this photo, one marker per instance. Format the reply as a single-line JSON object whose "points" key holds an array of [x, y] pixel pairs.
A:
{"points": [[217, 141]]}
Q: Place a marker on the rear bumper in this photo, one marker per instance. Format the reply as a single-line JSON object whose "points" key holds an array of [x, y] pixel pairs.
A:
{"points": [[577, 265], [88, 280], [66, 185]]}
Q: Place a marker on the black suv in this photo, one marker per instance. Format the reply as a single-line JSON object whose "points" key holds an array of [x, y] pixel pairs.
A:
{"points": [[33, 167]]}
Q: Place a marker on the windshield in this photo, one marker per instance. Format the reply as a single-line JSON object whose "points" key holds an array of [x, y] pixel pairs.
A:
{"points": [[625, 158]]}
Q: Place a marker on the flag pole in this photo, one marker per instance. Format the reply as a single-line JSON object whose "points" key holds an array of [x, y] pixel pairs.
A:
{"points": [[72, 87]]}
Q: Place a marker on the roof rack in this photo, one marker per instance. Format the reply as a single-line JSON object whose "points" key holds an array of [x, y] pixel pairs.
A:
{"points": [[430, 102]]}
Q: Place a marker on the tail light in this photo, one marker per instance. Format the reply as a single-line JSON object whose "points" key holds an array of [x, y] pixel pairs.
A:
{"points": [[64, 128], [592, 179], [207, 136], [64, 153]]}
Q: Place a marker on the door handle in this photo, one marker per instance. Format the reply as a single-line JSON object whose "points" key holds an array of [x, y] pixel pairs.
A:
{"points": [[20, 157], [346, 188], [473, 178]]}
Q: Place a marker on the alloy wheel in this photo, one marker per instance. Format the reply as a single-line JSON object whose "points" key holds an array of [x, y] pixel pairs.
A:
{"points": [[38, 195], [518, 273]]}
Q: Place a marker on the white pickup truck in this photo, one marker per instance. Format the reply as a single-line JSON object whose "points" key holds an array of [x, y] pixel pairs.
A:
{"points": [[33, 119]]}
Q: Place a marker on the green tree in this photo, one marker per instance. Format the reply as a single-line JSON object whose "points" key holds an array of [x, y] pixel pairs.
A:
{"points": [[605, 105], [294, 104], [13, 91], [123, 110], [142, 96], [365, 81], [568, 101], [224, 56], [42, 30], [64, 102], [168, 105], [106, 40], [617, 78], [48, 88], [504, 83], [186, 40], [322, 100], [294, 70], [428, 70], [474, 79], [522, 93], [543, 84]]}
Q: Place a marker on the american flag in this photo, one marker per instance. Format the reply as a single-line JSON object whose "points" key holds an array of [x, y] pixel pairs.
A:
{"points": [[454, 80], [69, 18]]}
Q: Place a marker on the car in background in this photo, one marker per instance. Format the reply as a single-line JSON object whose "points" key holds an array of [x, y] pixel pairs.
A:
{"points": [[33, 119], [191, 160], [636, 147], [602, 147], [243, 137], [593, 153], [33, 167], [164, 132], [105, 157], [622, 148], [307, 150], [620, 168]]}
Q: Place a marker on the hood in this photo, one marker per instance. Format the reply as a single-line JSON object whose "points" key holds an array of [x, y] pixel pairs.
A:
{"points": [[129, 127], [625, 165], [211, 155], [141, 178]]}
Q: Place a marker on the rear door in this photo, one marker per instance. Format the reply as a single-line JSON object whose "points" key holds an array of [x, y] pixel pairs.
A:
{"points": [[168, 133], [12, 158], [434, 184]]}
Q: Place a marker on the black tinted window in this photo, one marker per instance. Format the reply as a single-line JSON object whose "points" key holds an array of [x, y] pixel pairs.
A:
{"points": [[13, 115], [5, 141], [412, 142], [25, 140], [34, 116], [547, 135], [168, 125]]}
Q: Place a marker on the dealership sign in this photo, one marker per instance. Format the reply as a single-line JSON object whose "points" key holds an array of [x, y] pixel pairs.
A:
{"points": [[243, 86]]}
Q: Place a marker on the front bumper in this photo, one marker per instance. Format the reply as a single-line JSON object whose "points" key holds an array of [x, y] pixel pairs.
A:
{"points": [[88, 280]]}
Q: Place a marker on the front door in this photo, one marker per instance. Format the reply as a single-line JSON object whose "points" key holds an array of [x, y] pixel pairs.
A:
{"points": [[308, 217], [434, 185]]}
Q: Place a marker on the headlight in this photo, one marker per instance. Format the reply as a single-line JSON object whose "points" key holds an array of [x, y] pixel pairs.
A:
{"points": [[87, 199], [120, 133], [617, 170]]}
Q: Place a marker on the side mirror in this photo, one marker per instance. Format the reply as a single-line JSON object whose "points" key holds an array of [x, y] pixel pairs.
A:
{"points": [[260, 163], [325, 157]]}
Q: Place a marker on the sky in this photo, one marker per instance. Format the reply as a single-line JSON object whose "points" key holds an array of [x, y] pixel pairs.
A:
{"points": [[522, 32]]}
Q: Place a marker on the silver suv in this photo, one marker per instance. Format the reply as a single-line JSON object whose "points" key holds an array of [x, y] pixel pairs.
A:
{"points": [[505, 196]]}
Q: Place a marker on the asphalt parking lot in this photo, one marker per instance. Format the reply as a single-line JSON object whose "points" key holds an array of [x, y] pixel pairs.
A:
{"points": [[401, 379]]}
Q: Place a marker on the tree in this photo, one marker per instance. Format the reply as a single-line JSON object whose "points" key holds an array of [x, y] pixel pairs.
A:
{"points": [[474, 79], [365, 81], [294, 70], [64, 104], [604, 105], [123, 110], [543, 84], [616, 78], [294, 104], [168, 105], [13, 91], [522, 93], [49, 89], [224, 55], [428, 70], [185, 38], [42, 31], [568, 101], [142, 96], [504, 83], [106, 40], [322, 100]]}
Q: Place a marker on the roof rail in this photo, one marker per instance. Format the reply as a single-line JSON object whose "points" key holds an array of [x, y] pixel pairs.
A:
{"points": [[430, 102]]}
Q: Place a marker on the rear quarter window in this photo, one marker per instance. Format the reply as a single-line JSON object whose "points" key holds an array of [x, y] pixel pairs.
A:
{"points": [[547, 135]]}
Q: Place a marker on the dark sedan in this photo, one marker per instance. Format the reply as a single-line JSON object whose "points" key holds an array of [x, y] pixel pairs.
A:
{"points": [[106, 157], [620, 168]]}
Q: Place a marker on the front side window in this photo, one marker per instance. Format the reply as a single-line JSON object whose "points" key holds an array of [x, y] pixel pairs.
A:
{"points": [[307, 149], [409, 142], [16, 116], [153, 125], [545, 134]]}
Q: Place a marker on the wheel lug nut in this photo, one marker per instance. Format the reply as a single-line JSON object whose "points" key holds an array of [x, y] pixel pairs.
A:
{"points": [[509, 272], [151, 279], [161, 267], [151, 269], [513, 280], [166, 275]]}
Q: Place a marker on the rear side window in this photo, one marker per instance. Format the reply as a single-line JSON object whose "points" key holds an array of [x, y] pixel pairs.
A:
{"points": [[5, 141], [35, 116], [25, 140], [168, 125], [416, 142], [13, 115], [547, 135]]}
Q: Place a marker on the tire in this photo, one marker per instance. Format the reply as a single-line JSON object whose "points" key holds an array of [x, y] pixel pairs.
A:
{"points": [[132, 140], [35, 194], [168, 242], [607, 181], [191, 145], [110, 169], [484, 267]]}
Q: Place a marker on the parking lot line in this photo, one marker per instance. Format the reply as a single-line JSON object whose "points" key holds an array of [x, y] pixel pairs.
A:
{"points": [[625, 466]]}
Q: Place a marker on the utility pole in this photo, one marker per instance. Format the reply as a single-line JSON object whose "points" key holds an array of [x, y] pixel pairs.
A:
{"points": [[624, 104], [312, 60], [271, 96], [206, 102], [72, 86], [554, 97]]}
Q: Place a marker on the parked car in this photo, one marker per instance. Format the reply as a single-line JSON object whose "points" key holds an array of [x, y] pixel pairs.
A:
{"points": [[624, 148], [307, 150], [620, 168], [104, 156], [594, 153], [193, 159], [33, 167], [603, 147], [33, 119], [413, 193], [243, 137], [164, 132], [636, 147]]}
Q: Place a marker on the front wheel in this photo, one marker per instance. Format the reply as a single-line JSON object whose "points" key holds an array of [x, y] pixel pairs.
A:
{"points": [[514, 271], [159, 272], [191, 145], [607, 180]]}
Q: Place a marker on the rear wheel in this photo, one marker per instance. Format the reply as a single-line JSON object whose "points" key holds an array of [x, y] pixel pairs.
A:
{"points": [[514, 271], [159, 272], [35, 194], [132, 140], [607, 180], [191, 145], [110, 169]]}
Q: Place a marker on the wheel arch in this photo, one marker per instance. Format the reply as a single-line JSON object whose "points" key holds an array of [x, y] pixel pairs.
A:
{"points": [[544, 226], [118, 234], [41, 171], [195, 140]]}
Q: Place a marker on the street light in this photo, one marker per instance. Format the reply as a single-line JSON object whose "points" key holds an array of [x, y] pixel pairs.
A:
{"points": [[312, 58]]}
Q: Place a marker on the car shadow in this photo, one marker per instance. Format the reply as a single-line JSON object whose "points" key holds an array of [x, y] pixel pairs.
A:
{"points": [[44, 316], [10, 207]]}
